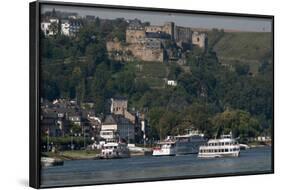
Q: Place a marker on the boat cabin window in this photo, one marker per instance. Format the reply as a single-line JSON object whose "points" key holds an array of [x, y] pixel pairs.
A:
{"points": [[225, 150]]}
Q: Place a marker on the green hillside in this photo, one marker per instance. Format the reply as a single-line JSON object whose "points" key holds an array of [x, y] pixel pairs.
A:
{"points": [[245, 47], [153, 73]]}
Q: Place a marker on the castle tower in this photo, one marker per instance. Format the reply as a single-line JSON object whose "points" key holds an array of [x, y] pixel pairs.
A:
{"points": [[135, 32], [169, 28], [199, 39]]}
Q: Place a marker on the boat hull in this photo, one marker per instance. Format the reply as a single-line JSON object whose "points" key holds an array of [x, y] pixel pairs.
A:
{"points": [[167, 148], [164, 152], [216, 155], [112, 155]]}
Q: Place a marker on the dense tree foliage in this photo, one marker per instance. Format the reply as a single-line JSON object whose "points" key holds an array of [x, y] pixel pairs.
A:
{"points": [[239, 122]]}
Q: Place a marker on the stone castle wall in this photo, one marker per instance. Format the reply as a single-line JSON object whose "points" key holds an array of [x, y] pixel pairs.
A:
{"points": [[154, 28], [114, 46], [137, 46], [117, 51], [140, 51], [133, 36], [147, 54]]}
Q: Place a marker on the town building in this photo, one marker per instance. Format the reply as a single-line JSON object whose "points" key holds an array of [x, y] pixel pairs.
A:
{"points": [[50, 27], [113, 124], [172, 83], [65, 27], [59, 116], [74, 26], [118, 105], [49, 125], [68, 27]]}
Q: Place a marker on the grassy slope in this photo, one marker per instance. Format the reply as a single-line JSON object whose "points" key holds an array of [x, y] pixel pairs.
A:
{"points": [[151, 72], [246, 47], [73, 155]]}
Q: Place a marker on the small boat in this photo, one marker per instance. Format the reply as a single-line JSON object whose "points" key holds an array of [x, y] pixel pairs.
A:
{"points": [[244, 146], [226, 146], [165, 148], [113, 149], [46, 162]]}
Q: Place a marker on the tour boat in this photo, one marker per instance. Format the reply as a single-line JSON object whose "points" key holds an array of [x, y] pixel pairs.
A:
{"points": [[226, 146], [189, 143], [165, 148], [115, 150]]}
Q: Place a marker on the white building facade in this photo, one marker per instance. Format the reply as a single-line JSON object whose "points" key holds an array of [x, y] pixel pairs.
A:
{"points": [[46, 26]]}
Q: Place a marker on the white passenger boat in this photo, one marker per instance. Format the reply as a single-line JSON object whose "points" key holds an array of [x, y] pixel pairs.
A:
{"points": [[115, 150], [165, 148], [226, 146]]}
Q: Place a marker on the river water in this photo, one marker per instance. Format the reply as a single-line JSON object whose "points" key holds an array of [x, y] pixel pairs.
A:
{"points": [[83, 172]]}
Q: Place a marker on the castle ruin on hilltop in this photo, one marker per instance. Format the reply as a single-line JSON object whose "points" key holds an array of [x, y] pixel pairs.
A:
{"points": [[155, 43]]}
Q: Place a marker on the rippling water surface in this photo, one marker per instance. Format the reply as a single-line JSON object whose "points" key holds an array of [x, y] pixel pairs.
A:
{"points": [[82, 172]]}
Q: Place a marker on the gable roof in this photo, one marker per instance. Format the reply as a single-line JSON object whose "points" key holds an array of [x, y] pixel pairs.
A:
{"points": [[109, 120]]}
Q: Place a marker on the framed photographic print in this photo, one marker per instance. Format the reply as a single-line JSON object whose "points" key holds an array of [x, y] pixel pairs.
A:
{"points": [[128, 94]]}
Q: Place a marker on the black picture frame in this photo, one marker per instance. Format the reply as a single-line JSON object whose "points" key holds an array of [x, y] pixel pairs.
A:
{"points": [[34, 88]]}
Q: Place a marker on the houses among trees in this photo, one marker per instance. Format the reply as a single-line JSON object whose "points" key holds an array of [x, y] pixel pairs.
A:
{"points": [[54, 23], [64, 118]]}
